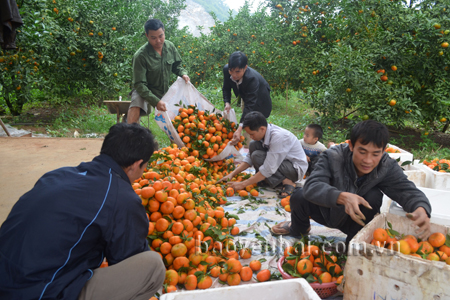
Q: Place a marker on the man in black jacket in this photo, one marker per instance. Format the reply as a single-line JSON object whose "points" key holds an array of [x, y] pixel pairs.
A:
{"points": [[247, 83], [345, 189], [57, 235]]}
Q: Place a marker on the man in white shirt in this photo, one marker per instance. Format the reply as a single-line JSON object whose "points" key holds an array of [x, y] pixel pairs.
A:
{"points": [[276, 154]]}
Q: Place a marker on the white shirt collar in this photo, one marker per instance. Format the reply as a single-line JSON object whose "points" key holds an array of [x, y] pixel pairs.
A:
{"points": [[267, 136], [237, 82]]}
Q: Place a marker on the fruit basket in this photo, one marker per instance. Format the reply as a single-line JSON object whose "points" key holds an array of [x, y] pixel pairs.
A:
{"points": [[324, 290]]}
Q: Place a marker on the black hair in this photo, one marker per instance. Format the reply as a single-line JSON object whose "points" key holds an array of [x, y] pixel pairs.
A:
{"points": [[128, 143], [254, 120], [153, 24], [370, 131], [318, 131], [237, 60]]}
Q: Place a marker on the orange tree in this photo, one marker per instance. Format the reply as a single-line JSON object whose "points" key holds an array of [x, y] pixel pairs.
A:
{"points": [[67, 46], [349, 58], [386, 50]]}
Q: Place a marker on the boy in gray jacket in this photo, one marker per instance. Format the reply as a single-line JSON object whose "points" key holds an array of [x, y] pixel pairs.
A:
{"points": [[346, 188]]}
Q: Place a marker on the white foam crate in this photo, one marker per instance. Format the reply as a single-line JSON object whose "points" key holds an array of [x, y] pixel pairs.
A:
{"points": [[377, 273], [416, 175], [434, 179], [403, 155], [293, 289], [440, 206]]}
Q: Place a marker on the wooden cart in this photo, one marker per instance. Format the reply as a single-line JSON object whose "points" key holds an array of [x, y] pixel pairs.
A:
{"points": [[117, 107]]}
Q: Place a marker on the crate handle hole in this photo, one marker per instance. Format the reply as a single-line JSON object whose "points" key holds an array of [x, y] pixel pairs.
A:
{"points": [[360, 272], [436, 297], [396, 287]]}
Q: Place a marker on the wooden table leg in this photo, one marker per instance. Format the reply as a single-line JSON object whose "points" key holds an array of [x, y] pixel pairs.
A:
{"points": [[118, 113], [4, 127]]}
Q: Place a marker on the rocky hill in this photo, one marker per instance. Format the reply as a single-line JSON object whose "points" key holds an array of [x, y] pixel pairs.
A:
{"points": [[195, 15]]}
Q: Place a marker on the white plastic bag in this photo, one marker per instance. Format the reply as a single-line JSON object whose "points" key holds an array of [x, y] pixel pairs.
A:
{"points": [[187, 94]]}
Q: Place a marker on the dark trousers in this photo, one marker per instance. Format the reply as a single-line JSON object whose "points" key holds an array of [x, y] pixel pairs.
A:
{"points": [[302, 209], [286, 170]]}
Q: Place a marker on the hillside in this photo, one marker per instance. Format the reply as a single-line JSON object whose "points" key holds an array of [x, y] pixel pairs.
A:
{"points": [[218, 7], [195, 15]]}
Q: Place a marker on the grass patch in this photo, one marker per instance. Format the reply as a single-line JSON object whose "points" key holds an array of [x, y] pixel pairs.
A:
{"points": [[291, 112]]}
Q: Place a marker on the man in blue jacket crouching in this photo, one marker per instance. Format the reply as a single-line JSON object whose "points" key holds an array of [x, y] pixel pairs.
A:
{"points": [[57, 235]]}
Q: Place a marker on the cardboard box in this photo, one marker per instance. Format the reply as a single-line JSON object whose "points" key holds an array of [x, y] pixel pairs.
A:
{"points": [[440, 208], [377, 273], [292, 289], [434, 179]]}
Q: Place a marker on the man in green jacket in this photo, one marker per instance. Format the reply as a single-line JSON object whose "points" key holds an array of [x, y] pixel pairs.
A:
{"points": [[152, 65]]}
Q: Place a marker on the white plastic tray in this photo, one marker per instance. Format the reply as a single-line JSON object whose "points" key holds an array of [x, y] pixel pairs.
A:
{"points": [[293, 289]]}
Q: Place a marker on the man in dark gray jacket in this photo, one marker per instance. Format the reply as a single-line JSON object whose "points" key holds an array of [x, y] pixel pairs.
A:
{"points": [[247, 83], [345, 189]]}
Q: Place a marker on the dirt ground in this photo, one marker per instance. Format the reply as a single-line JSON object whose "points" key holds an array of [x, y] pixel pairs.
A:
{"points": [[24, 160]]}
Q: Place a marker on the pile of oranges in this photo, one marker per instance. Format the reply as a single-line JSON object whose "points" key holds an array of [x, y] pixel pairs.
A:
{"points": [[435, 248], [439, 165], [204, 134], [187, 225], [285, 202], [391, 150], [310, 262]]}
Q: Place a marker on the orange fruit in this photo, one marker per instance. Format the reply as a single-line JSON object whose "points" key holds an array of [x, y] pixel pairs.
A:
{"points": [[230, 192], [380, 235], [243, 193], [425, 247], [337, 269], [165, 248], [167, 208], [442, 256], [304, 266], [233, 279], [254, 193], [171, 277], [255, 265], [161, 196], [289, 251], [157, 185], [246, 273], [316, 271], [161, 225], [402, 246], [215, 271], [233, 265], [245, 253], [437, 239], [178, 250], [325, 277], [147, 192], [413, 244], [235, 230], [433, 256], [169, 289], [190, 282], [263, 275], [179, 262], [205, 282], [445, 249], [223, 274]]}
